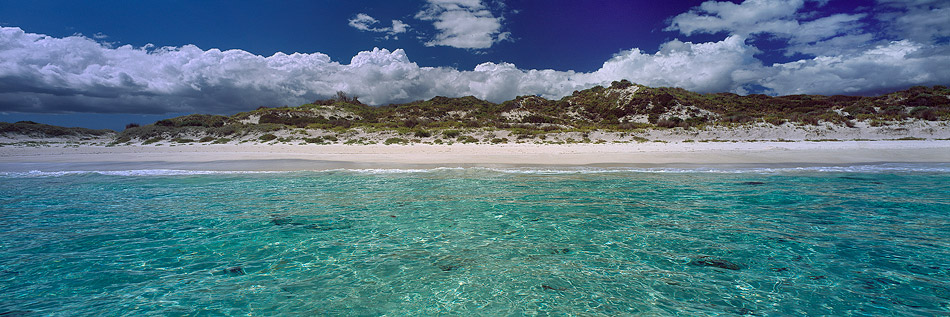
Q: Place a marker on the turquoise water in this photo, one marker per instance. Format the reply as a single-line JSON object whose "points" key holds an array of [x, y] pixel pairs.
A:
{"points": [[864, 240]]}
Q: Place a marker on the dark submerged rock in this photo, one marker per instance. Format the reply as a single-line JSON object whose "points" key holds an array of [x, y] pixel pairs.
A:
{"points": [[753, 183], [745, 311], [329, 226], [448, 267], [325, 225], [714, 262], [451, 263], [552, 288], [284, 221], [234, 271], [560, 251], [878, 283]]}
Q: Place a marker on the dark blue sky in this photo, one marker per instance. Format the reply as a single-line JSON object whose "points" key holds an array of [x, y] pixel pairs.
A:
{"points": [[66, 58]]}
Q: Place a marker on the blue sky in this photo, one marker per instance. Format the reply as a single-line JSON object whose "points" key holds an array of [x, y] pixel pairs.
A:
{"points": [[103, 63]]}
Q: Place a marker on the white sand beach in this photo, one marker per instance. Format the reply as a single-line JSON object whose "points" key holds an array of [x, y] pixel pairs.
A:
{"points": [[304, 157]]}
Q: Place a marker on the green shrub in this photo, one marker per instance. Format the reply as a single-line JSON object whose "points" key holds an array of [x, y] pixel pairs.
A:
{"points": [[924, 113], [224, 130], [774, 120], [451, 133], [221, 141], [39, 129], [395, 141], [267, 137], [621, 84], [183, 140], [206, 139], [467, 139], [152, 140], [149, 132], [261, 128], [194, 120], [422, 134]]}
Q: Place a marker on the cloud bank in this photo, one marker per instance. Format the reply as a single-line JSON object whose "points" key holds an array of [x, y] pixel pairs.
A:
{"points": [[44, 74]]}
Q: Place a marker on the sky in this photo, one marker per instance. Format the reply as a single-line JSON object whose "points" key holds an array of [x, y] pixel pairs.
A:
{"points": [[105, 63]]}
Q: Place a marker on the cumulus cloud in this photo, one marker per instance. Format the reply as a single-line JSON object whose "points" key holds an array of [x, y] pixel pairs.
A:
{"points": [[46, 74], [704, 67], [365, 22], [40, 73], [462, 24]]}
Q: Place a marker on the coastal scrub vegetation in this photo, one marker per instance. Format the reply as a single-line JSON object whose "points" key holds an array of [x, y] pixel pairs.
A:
{"points": [[621, 107], [30, 128]]}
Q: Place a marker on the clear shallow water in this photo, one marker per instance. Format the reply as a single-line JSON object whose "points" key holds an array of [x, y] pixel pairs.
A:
{"points": [[863, 240]]}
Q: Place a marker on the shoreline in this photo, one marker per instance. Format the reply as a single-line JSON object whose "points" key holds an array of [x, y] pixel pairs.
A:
{"points": [[279, 157]]}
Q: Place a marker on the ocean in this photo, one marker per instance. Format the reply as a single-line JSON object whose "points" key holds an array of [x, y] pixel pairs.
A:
{"points": [[861, 240]]}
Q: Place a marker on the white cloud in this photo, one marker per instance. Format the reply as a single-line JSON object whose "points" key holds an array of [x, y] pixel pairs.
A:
{"points": [[39, 73], [776, 18], [847, 58], [834, 46], [751, 16], [924, 21], [462, 24], [880, 69], [365, 22], [399, 27], [703, 67]]}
